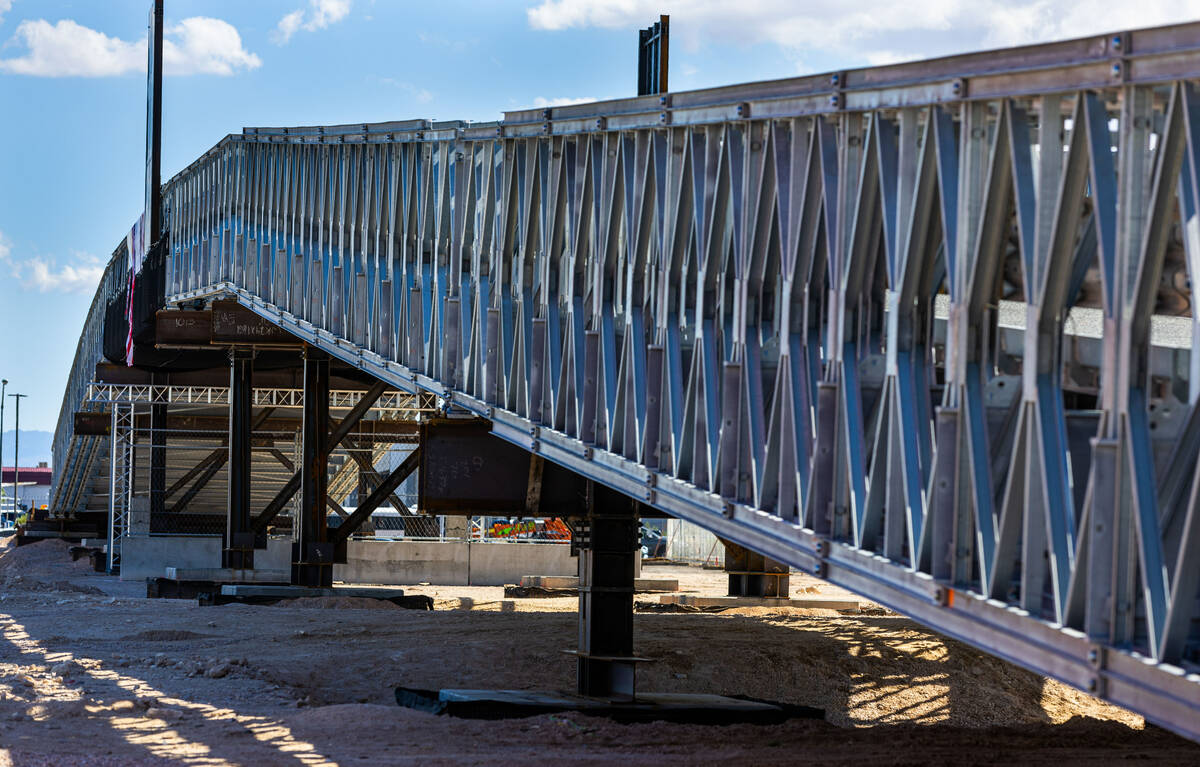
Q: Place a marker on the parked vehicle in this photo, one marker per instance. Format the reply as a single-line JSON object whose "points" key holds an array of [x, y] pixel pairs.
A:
{"points": [[654, 543]]}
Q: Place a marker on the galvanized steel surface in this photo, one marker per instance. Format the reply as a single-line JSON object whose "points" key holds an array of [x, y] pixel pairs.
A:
{"points": [[725, 304]]}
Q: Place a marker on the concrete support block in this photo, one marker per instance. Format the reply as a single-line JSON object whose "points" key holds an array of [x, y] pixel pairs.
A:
{"points": [[277, 556], [451, 563], [148, 557], [496, 564], [405, 563], [139, 517]]}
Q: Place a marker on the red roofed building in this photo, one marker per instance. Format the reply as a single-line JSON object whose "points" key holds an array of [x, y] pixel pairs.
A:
{"points": [[34, 489]]}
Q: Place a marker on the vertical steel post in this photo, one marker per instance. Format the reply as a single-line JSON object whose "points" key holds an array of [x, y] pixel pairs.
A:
{"points": [[606, 569], [154, 67], [312, 554], [653, 55], [238, 551], [158, 454], [113, 472]]}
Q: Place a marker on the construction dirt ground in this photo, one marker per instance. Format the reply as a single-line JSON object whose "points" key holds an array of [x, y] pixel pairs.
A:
{"points": [[92, 673]]}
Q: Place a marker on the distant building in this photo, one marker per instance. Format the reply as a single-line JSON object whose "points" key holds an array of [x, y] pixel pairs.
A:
{"points": [[34, 488]]}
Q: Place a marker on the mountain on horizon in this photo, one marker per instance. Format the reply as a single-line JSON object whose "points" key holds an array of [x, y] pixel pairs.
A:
{"points": [[35, 446]]}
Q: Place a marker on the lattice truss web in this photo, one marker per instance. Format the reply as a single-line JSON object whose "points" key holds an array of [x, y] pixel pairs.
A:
{"points": [[935, 349]]}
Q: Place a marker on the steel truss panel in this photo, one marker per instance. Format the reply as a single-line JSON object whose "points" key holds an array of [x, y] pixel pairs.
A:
{"points": [[409, 405], [120, 484], [725, 304]]}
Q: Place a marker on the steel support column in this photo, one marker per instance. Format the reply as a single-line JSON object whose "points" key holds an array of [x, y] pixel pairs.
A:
{"points": [[312, 553], [120, 480], [606, 569], [158, 459], [238, 549], [753, 575]]}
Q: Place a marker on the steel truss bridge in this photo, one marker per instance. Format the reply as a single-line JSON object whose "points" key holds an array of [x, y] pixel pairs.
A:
{"points": [[913, 328]]}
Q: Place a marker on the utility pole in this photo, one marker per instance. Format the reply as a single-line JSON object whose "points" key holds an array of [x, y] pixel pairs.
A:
{"points": [[154, 66], [3, 388], [152, 231], [17, 453]]}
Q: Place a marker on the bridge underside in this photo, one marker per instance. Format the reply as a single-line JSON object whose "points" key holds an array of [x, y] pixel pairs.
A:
{"points": [[925, 330]]}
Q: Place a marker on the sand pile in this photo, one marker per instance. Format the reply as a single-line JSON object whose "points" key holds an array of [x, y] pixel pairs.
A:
{"points": [[42, 566]]}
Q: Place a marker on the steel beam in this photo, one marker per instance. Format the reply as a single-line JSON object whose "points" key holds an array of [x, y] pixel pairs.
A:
{"points": [[369, 478], [158, 459], [344, 427], [372, 502], [312, 553], [238, 551], [607, 553]]}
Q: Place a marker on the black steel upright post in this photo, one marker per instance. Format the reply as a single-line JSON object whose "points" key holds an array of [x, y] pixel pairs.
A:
{"points": [[653, 56], [312, 554], [607, 559], [238, 551], [158, 455], [154, 72]]}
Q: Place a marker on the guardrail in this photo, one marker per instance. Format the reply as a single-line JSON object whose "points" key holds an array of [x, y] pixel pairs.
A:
{"points": [[70, 460]]}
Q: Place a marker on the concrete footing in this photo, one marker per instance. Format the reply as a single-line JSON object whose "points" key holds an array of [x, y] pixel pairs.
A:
{"points": [[451, 563], [572, 582], [148, 556], [445, 563], [226, 575]]}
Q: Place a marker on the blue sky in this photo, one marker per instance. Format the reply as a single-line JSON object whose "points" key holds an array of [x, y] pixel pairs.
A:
{"points": [[72, 96]]}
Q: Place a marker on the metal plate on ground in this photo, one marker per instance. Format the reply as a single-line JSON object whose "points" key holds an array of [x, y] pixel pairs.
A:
{"points": [[649, 707], [828, 603], [298, 592]]}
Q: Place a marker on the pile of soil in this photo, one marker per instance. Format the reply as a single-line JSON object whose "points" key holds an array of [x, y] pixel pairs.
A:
{"points": [[42, 566]]}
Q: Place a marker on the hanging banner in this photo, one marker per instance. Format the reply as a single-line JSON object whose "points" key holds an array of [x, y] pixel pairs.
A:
{"points": [[135, 249]]}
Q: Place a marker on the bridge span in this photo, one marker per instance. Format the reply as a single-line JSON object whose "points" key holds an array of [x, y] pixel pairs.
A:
{"points": [[925, 330]]}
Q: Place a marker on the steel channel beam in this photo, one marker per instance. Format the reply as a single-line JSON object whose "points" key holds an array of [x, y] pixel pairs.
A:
{"points": [[1051, 651]]}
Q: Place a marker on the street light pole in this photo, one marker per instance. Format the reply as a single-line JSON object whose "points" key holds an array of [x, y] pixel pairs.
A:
{"points": [[17, 453]]}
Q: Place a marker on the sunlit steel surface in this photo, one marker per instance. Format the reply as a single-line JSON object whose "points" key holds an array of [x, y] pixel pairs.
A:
{"points": [[724, 303]]}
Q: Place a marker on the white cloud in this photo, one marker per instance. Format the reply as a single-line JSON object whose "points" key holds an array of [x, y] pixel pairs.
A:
{"points": [[318, 15], [5, 7], [197, 45], [421, 95], [541, 102], [46, 276], [205, 46], [68, 49], [852, 32]]}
